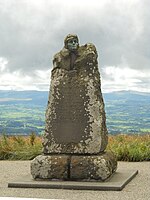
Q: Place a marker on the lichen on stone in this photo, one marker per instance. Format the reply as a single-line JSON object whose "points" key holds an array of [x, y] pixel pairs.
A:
{"points": [[86, 115]]}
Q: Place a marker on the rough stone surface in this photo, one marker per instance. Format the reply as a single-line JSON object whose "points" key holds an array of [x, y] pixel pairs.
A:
{"points": [[75, 116], [50, 167], [75, 133], [93, 167]]}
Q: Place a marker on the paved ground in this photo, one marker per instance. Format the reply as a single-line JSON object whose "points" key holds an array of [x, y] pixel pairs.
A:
{"points": [[137, 189]]}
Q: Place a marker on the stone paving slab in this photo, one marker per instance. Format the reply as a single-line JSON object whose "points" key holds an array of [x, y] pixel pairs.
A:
{"points": [[116, 183], [16, 198]]}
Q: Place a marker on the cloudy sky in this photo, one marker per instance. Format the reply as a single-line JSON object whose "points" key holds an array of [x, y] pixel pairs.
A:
{"points": [[32, 31]]}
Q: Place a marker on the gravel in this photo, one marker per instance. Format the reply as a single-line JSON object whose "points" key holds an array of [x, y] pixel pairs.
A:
{"points": [[137, 189]]}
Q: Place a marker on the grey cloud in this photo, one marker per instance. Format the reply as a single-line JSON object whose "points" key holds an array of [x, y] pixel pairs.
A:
{"points": [[30, 35]]}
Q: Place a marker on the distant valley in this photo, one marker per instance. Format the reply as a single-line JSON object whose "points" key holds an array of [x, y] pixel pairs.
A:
{"points": [[23, 112]]}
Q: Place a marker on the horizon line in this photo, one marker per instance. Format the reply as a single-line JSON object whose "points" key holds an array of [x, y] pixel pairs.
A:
{"points": [[113, 91]]}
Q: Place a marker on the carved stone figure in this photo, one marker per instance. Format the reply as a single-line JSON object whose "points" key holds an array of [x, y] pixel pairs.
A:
{"points": [[75, 136]]}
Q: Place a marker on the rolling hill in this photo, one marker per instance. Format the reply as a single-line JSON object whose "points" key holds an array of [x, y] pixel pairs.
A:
{"points": [[22, 112]]}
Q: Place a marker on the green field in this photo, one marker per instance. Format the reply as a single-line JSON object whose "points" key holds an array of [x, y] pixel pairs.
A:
{"points": [[21, 119], [24, 112]]}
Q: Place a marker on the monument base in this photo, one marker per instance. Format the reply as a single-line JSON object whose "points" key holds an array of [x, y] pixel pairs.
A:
{"points": [[117, 182], [74, 167]]}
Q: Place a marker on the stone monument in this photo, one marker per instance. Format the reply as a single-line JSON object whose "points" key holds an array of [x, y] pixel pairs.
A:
{"points": [[76, 135]]}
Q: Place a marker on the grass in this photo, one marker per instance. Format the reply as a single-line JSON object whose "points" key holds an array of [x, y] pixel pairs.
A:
{"points": [[130, 147], [20, 147], [125, 147]]}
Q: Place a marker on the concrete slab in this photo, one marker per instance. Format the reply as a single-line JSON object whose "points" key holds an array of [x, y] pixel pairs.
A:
{"points": [[116, 183]]}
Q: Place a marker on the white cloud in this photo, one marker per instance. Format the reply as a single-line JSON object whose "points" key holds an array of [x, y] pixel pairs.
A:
{"points": [[32, 31], [17, 80], [114, 78], [3, 64], [124, 78]]}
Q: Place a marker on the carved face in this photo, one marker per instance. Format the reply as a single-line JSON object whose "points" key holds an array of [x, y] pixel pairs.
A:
{"points": [[72, 44]]}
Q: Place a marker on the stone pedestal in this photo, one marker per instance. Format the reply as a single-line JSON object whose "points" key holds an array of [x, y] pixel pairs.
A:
{"points": [[74, 167], [76, 135]]}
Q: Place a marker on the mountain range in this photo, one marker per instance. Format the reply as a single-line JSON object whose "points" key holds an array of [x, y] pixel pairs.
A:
{"points": [[22, 112]]}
